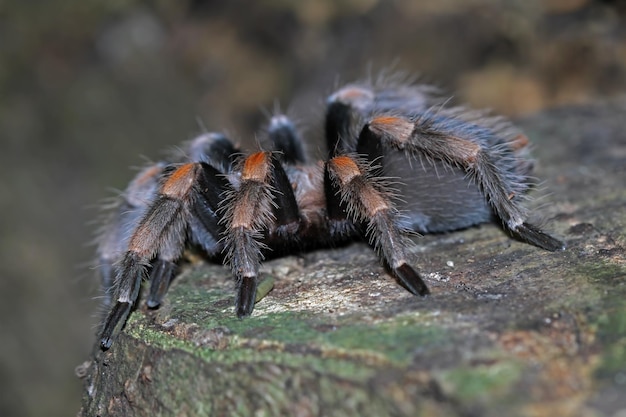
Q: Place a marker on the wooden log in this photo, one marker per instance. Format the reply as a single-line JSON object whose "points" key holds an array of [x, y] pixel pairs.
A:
{"points": [[508, 330]]}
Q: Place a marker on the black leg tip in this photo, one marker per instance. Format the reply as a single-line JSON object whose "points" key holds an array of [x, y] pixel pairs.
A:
{"points": [[533, 235], [243, 312], [246, 297], [162, 273], [411, 280], [115, 321]]}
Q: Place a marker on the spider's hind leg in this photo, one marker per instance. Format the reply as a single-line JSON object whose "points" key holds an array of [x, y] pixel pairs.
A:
{"points": [[353, 187], [466, 145]]}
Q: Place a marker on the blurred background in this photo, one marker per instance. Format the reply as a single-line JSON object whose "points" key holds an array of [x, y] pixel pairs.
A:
{"points": [[91, 88]]}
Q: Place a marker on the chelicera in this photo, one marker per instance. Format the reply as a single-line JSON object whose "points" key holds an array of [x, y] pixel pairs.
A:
{"points": [[400, 161]]}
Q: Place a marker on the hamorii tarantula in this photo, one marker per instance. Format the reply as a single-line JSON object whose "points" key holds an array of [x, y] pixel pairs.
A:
{"points": [[400, 161]]}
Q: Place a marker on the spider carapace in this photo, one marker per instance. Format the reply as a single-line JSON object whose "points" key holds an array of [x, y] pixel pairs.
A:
{"points": [[400, 161]]}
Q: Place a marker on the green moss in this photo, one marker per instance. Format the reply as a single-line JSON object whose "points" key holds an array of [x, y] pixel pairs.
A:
{"points": [[611, 335], [284, 327], [481, 383], [396, 340], [591, 286], [239, 352], [393, 341], [602, 272], [346, 347]]}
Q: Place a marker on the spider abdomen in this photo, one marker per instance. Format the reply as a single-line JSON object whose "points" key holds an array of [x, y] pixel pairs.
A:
{"points": [[434, 196]]}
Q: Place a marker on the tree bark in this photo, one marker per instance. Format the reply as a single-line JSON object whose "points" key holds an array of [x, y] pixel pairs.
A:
{"points": [[509, 330]]}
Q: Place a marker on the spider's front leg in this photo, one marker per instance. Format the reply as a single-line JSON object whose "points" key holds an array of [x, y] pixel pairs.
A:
{"points": [[187, 201], [354, 191], [465, 145], [128, 212], [263, 200]]}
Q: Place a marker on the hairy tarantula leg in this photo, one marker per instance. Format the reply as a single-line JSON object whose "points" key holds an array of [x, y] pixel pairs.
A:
{"points": [[127, 293], [343, 108], [420, 138], [160, 277], [204, 225], [264, 196], [132, 206], [213, 148], [248, 213], [286, 210], [163, 226], [364, 200], [285, 139]]}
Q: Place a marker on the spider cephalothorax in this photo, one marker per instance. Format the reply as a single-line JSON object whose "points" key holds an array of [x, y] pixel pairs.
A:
{"points": [[399, 161]]}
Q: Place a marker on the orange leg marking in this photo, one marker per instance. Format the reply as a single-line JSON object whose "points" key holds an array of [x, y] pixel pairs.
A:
{"points": [[345, 168], [401, 129], [352, 94], [179, 183], [256, 167]]}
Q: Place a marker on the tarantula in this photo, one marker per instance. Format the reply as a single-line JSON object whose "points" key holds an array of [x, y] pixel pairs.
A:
{"points": [[400, 161]]}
